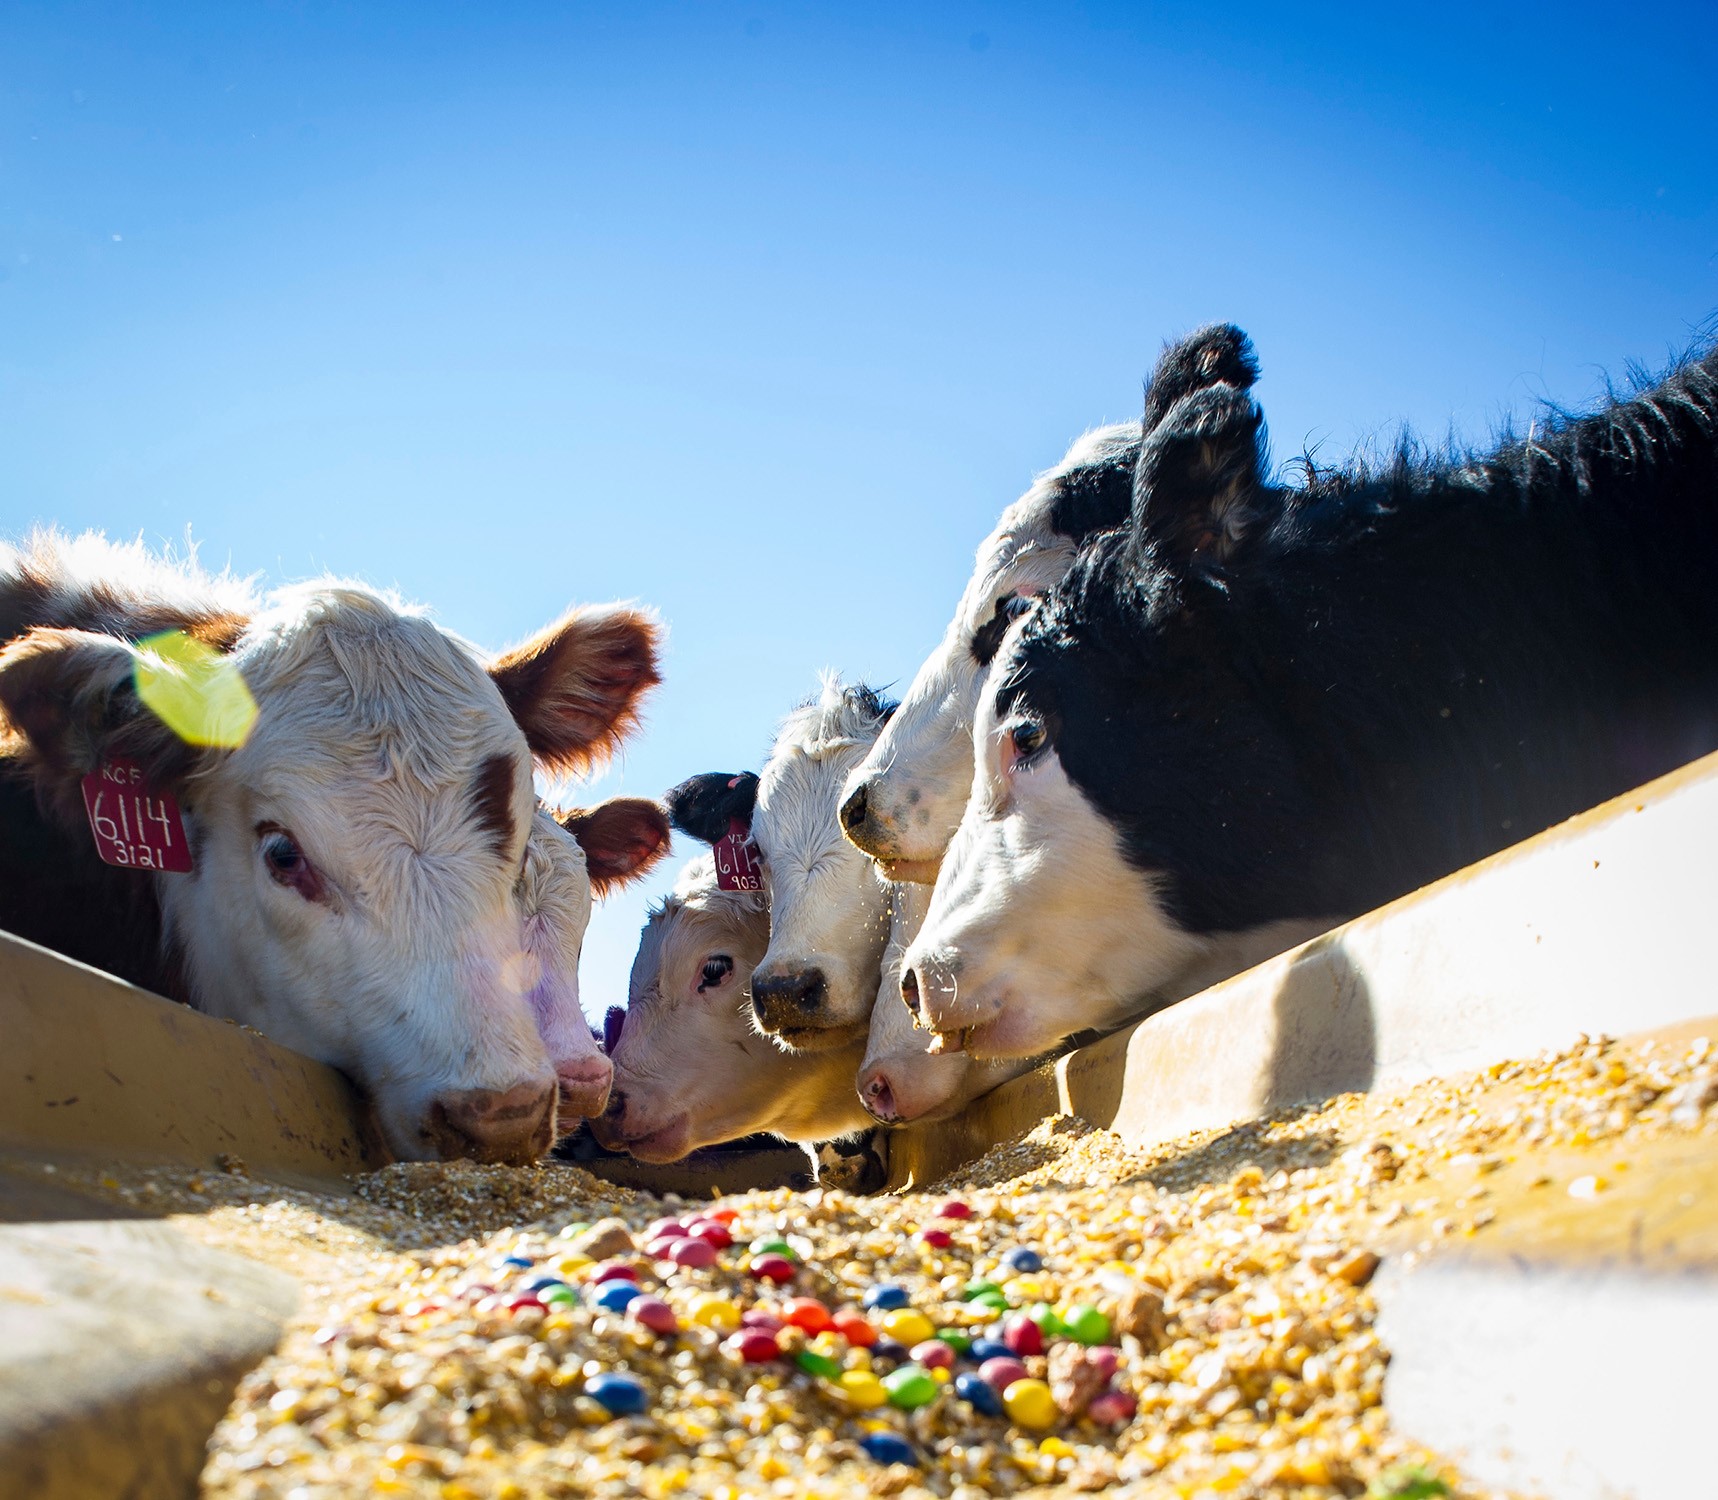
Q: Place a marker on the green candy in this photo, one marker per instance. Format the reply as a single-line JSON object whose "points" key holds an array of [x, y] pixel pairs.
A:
{"points": [[825, 1366], [573, 1231], [1045, 1317], [769, 1246], [1086, 1325], [955, 1339], [996, 1301], [910, 1386], [557, 1294], [977, 1287]]}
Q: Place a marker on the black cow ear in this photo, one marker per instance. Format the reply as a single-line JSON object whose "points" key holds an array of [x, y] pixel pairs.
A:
{"points": [[707, 806], [1217, 354], [1199, 490]]}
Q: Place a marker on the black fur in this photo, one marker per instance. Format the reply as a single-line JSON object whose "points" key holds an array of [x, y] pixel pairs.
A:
{"points": [[1305, 702], [705, 806]]}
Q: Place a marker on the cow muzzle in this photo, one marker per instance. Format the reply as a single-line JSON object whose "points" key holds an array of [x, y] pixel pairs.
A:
{"points": [[585, 1083], [930, 988], [512, 1126]]}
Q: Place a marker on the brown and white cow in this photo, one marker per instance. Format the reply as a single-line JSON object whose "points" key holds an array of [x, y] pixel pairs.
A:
{"points": [[691, 1069], [370, 879]]}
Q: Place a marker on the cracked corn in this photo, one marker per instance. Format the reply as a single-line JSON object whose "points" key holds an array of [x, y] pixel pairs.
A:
{"points": [[1234, 1267]]}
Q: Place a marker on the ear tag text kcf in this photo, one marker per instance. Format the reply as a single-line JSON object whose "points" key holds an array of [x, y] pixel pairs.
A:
{"points": [[135, 826], [738, 867]]}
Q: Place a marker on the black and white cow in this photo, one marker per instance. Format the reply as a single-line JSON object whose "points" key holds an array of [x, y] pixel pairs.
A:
{"points": [[1257, 706], [904, 801]]}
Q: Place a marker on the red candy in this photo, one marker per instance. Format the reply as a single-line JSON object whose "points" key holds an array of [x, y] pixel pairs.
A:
{"points": [[654, 1314], [664, 1227], [662, 1247], [722, 1215], [1022, 1335], [755, 1346], [776, 1268], [853, 1327], [614, 1270], [521, 1300], [1112, 1407], [937, 1239], [1000, 1373], [697, 1254], [761, 1317], [807, 1313], [953, 1209], [712, 1233], [933, 1354]]}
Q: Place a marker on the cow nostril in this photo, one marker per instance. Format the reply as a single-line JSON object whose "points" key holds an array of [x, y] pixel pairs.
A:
{"points": [[853, 810], [878, 1098], [910, 993], [806, 990], [616, 1105]]}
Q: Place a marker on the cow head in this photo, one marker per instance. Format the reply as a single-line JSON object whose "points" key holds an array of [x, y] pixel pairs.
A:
{"points": [[828, 907], [903, 803], [690, 1067], [371, 884], [1129, 777]]}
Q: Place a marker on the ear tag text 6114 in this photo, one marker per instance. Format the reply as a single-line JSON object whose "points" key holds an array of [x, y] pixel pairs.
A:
{"points": [[135, 826], [738, 867]]}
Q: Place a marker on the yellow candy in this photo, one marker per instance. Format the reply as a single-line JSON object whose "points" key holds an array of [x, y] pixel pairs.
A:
{"points": [[1056, 1448], [716, 1312], [862, 1389], [1024, 1289], [1121, 1267], [858, 1359], [908, 1327], [940, 1375], [571, 1265], [830, 1343], [1030, 1404]]}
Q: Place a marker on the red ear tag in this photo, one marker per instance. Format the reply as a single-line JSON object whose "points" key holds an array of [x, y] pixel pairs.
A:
{"points": [[135, 826], [737, 864]]}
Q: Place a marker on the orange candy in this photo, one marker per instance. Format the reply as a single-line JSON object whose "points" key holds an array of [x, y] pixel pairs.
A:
{"points": [[853, 1327], [807, 1313]]}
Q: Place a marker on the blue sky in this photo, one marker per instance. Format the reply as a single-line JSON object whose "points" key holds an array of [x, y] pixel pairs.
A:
{"points": [[760, 314]]}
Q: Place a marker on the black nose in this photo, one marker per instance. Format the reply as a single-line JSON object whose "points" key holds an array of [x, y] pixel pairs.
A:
{"points": [[853, 810], [783, 994]]}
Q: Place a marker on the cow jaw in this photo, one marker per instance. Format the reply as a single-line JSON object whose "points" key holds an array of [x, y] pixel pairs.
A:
{"points": [[1038, 927]]}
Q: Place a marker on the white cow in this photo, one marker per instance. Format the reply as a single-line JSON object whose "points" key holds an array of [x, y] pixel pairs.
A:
{"points": [[369, 878]]}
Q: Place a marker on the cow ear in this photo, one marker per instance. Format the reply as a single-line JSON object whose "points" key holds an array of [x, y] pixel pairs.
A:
{"points": [[70, 697], [1217, 354], [708, 806], [622, 838], [575, 689], [1199, 490]]}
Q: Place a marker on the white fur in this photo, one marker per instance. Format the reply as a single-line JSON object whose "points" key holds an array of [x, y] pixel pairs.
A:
{"points": [[1039, 927], [436, 965], [691, 1068], [918, 773], [828, 902]]}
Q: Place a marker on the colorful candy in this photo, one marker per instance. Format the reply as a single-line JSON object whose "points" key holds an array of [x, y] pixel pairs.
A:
{"points": [[1022, 1260], [933, 1354], [885, 1298], [620, 1395], [954, 1209], [772, 1267], [716, 1312], [863, 1389], [936, 1239], [979, 1394], [1022, 1335], [1001, 1373], [1112, 1407], [653, 1313], [1085, 1324], [816, 1362], [910, 1387], [855, 1328], [694, 1254], [1029, 1404], [614, 1295], [908, 1326], [889, 1448], [755, 1346], [807, 1313]]}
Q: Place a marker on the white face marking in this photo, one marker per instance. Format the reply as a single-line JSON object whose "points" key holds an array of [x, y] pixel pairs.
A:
{"points": [[691, 1069], [410, 967], [1039, 926], [917, 776]]}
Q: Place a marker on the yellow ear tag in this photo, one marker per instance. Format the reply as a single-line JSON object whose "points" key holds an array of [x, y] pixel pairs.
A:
{"points": [[194, 690]]}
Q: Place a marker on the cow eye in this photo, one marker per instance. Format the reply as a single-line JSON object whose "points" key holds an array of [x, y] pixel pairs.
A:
{"points": [[285, 862], [715, 971], [987, 639], [1028, 739]]}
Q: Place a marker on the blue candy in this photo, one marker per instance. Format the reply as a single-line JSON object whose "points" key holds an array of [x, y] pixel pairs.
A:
{"points": [[620, 1395], [973, 1390], [614, 1295], [887, 1448], [542, 1283], [523, 1262], [983, 1349], [885, 1298], [1023, 1260]]}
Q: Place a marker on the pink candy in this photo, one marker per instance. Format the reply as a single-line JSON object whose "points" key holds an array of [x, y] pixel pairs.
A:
{"points": [[754, 1346], [933, 1354], [1000, 1373], [1112, 1407], [654, 1314], [697, 1254]]}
